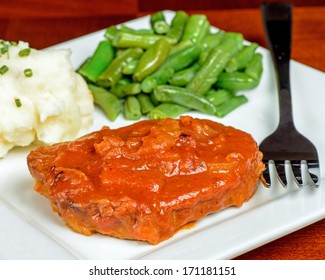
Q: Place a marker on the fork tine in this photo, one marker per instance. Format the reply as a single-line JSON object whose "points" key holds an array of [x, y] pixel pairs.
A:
{"points": [[284, 172], [309, 177], [281, 173], [266, 175], [315, 177], [272, 170], [297, 172]]}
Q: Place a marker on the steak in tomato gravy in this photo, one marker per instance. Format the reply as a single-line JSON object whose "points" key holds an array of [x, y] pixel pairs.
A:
{"points": [[145, 181]]}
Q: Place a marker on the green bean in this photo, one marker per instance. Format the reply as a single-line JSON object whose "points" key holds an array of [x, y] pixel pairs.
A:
{"points": [[121, 90], [125, 28], [130, 67], [235, 41], [184, 58], [154, 100], [173, 63], [240, 60], [169, 69], [230, 105], [215, 63], [212, 40], [132, 109], [98, 62], [167, 110], [124, 81], [235, 81], [183, 97], [108, 102], [181, 46], [158, 23], [145, 103], [178, 25], [217, 97], [114, 71], [152, 58], [254, 67], [160, 77], [144, 41], [197, 27], [209, 42], [119, 52], [183, 77], [83, 65], [110, 33], [204, 55]]}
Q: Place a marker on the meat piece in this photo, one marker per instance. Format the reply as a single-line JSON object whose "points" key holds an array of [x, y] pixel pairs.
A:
{"points": [[146, 180]]}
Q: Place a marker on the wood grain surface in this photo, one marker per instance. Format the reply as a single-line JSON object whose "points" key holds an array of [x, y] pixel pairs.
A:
{"points": [[44, 23]]}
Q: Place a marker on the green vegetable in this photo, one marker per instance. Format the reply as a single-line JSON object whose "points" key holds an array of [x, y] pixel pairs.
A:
{"points": [[98, 62], [124, 81], [209, 42], [217, 97], [230, 105], [254, 67], [181, 45], [144, 41], [153, 99], [114, 71], [173, 63], [158, 23], [197, 27], [17, 102], [3, 69], [28, 72], [135, 31], [145, 103], [183, 97], [160, 77], [150, 61], [132, 108], [183, 77], [235, 81], [122, 90], [168, 69], [167, 110], [240, 60], [130, 67], [178, 25], [212, 40], [108, 102], [4, 47], [24, 52], [110, 33], [215, 63]]}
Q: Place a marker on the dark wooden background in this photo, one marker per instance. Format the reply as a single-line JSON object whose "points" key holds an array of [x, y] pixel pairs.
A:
{"points": [[43, 23]]}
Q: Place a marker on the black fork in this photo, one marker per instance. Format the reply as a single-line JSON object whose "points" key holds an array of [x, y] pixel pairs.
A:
{"points": [[286, 149]]}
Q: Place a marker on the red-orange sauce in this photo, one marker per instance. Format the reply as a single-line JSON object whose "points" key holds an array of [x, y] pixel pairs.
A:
{"points": [[146, 180]]}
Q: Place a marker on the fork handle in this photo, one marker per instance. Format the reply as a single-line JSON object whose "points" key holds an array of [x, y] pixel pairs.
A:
{"points": [[277, 19]]}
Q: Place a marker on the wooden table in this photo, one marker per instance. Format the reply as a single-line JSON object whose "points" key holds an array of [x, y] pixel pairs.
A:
{"points": [[45, 29]]}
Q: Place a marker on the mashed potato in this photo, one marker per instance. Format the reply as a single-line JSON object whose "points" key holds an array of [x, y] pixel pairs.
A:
{"points": [[50, 103]]}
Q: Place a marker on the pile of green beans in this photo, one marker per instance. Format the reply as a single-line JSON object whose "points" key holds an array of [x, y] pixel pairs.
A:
{"points": [[171, 68]]}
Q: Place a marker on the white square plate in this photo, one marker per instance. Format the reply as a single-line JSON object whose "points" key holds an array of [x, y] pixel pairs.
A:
{"points": [[30, 230]]}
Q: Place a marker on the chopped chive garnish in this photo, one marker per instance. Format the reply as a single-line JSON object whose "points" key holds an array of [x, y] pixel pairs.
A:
{"points": [[4, 49], [28, 72], [18, 102], [24, 52], [3, 69]]}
